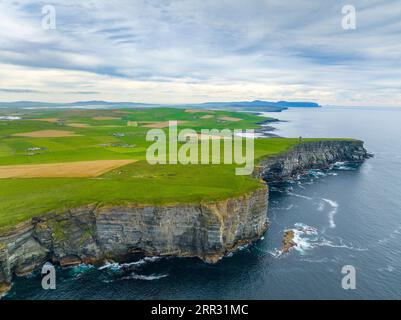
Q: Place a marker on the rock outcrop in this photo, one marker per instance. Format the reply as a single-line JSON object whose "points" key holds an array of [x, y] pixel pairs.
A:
{"points": [[310, 155], [207, 230], [288, 241]]}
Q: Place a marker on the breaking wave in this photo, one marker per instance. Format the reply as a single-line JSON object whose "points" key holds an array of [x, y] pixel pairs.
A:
{"points": [[299, 196], [121, 266], [334, 208], [151, 277], [345, 166], [304, 237]]}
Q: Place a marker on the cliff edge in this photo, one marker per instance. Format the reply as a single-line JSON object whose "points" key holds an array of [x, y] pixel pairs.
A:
{"points": [[310, 155]]}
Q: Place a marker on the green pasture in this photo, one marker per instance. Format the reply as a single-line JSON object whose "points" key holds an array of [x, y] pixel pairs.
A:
{"points": [[140, 182]]}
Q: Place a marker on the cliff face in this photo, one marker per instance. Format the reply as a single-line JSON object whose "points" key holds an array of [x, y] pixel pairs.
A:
{"points": [[310, 155], [208, 230], [90, 234]]}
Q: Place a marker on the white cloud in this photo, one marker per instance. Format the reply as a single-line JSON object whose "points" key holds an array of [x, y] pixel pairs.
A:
{"points": [[190, 51]]}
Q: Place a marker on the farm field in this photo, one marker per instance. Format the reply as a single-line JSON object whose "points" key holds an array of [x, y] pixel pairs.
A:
{"points": [[53, 159]]}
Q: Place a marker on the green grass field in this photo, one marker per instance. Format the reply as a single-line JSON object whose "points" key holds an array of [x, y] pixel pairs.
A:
{"points": [[105, 135]]}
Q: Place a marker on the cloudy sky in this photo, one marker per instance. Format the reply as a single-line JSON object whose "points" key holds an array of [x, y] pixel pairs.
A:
{"points": [[194, 51]]}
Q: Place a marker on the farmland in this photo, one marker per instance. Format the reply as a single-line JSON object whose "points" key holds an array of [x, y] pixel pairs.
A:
{"points": [[99, 157]]}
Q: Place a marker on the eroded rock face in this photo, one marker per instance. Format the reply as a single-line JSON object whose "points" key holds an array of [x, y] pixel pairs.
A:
{"points": [[310, 155], [90, 234], [207, 230], [69, 237]]}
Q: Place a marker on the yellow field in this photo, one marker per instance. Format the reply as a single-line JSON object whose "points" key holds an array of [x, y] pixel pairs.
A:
{"points": [[197, 111], [106, 118], [47, 134], [80, 169], [160, 124], [51, 120], [230, 119], [78, 125]]}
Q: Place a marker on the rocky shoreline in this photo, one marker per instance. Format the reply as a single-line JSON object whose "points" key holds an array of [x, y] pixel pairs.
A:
{"points": [[319, 154], [208, 231]]}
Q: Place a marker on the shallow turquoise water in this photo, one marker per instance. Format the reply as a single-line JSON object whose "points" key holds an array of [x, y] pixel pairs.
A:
{"points": [[345, 216]]}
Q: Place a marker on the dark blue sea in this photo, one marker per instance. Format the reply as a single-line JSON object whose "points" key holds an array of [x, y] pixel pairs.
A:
{"points": [[344, 216]]}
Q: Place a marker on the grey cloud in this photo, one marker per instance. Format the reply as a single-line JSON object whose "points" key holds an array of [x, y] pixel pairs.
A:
{"points": [[19, 90]]}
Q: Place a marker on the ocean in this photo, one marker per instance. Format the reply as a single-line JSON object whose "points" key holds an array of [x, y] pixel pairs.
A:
{"points": [[349, 215]]}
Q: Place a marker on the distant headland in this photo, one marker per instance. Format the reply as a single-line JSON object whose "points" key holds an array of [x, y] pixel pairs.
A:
{"points": [[256, 105]]}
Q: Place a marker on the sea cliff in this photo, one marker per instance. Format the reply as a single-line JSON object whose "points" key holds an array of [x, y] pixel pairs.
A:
{"points": [[311, 155], [92, 234], [207, 230]]}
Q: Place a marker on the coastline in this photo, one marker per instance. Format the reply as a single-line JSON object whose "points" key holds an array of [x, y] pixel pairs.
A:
{"points": [[208, 231]]}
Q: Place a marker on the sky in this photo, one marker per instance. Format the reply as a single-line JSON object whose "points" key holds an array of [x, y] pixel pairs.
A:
{"points": [[182, 51]]}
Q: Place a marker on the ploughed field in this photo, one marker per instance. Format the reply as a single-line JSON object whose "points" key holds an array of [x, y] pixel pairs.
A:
{"points": [[51, 160]]}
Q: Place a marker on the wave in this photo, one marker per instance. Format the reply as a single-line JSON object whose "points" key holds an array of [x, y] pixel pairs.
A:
{"points": [[317, 173], [300, 185], [140, 262], [79, 270], [275, 253], [109, 265], [118, 266], [327, 243], [322, 260], [288, 208], [393, 235], [299, 195], [240, 248], [333, 204], [304, 236], [151, 277], [333, 211], [344, 166]]}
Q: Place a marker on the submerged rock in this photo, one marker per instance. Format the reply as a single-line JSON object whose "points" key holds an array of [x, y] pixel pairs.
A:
{"points": [[288, 241]]}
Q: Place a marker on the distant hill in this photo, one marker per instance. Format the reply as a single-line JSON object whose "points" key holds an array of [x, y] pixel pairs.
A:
{"points": [[298, 104], [256, 105], [260, 104]]}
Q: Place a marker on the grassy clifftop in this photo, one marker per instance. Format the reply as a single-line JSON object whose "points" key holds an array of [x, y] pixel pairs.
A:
{"points": [[57, 136]]}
